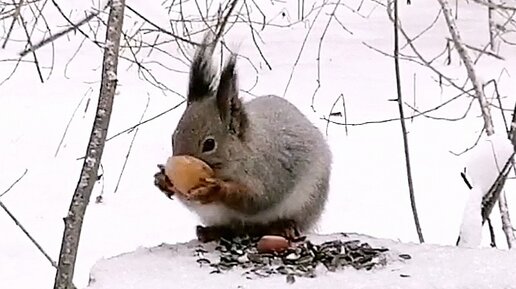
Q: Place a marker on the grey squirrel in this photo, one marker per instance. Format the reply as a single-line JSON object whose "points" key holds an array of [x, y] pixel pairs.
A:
{"points": [[272, 165]]}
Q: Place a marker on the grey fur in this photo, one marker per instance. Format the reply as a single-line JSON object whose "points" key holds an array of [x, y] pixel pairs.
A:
{"points": [[276, 152]]}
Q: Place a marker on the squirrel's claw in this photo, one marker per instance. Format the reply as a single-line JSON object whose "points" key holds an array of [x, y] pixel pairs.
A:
{"points": [[207, 191], [163, 183]]}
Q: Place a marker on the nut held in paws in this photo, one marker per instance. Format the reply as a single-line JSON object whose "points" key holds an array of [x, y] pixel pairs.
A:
{"points": [[185, 172]]}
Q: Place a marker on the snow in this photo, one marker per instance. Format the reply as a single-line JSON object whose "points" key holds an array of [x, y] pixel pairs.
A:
{"points": [[368, 190], [471, 228], [429, 266], [487, 159], [485, 162]]}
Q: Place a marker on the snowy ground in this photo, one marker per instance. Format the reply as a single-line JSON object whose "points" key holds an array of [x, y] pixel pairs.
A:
{"points": [[429, 266], [369, 192]]}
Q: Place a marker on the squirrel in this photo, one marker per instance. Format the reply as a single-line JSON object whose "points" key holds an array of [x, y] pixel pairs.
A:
{"points": [[272, 164]]}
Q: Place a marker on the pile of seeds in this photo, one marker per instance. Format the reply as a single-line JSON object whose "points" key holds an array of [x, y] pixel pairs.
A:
{"points": [[301, 260]]}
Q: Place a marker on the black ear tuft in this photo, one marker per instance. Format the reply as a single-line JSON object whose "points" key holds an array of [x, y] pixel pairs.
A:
{"points": [[202, 72], [231, 108]]}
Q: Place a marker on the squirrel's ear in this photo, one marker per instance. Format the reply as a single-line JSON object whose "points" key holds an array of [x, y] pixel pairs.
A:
{"points": [[231, 109], [202, 72]]}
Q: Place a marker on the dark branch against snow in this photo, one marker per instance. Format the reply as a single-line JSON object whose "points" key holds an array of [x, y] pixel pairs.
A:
{"points": [[403, 126]]}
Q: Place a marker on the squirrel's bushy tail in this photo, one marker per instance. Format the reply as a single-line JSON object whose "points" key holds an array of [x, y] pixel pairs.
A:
{"points": [[202, 72]]}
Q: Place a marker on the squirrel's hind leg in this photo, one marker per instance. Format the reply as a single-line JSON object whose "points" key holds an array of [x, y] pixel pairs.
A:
{"points": [[284, 227], [214, 233]]}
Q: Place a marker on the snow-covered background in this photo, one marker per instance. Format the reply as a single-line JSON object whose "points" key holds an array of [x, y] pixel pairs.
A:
{"points": [[369, 192]]}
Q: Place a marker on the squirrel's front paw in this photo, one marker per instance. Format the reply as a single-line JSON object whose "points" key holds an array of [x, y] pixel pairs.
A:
{"points": [[207, 191], [163, 183]]}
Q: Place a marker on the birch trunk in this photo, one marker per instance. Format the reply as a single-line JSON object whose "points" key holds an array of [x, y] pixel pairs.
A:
{"points": [[466, 59]]}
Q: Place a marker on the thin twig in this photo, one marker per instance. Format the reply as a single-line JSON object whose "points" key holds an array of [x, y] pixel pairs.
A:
{"points": [[29, 42], [495, 6], [130, 147], [73, 24], [301, 49], [15, 182], [254, 37], [131, 128], [331, 113], [481, 51], [15, 220], [57, 35], [15, 16], [319, 48], [145, 121], [420, 113], [160, 29], [479, 136], [28, 235], [425, 62], [68, 126], [224, 22], [403, 127]]}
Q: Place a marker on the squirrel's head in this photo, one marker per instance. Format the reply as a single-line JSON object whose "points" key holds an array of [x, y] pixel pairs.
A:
{"points": [[213, 126]]}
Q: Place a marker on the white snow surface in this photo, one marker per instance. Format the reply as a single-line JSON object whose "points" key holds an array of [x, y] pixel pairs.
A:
{"points": [[368, 189], [430, 266], [485, 162], [487, 159], [471, 227]]}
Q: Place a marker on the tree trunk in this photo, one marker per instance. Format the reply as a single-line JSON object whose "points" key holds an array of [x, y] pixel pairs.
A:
{"points": [[73, 221]]}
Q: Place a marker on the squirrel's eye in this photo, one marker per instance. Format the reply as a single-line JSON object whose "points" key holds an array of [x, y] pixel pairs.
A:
{"points": [[208, 145]]}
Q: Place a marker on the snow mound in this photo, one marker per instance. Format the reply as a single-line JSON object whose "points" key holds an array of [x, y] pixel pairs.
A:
{"points": [[407, 266]]}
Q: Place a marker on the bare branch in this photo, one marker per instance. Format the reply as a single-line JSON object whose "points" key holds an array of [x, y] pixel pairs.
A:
{"points": [[29, 43], [14, 183], [130, 147], [319, 48], [52, 262], [68, 125], [481, 51], [492, 5], [15, 220], [403, 126], [55, 36], [301, 50], [15, 16], [160, 28], [463, 53], [146, 121], [506, 220]]}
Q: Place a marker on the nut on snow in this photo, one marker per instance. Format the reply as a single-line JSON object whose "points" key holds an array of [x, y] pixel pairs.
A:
{"points": [[185, 172], [270, 243]]}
